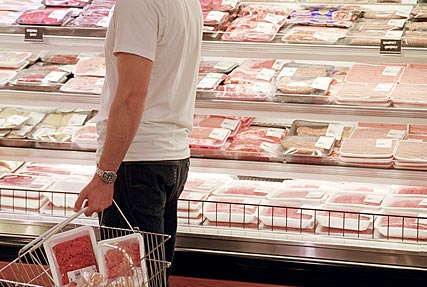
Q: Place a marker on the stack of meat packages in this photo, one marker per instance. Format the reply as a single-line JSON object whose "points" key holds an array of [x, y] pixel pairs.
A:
{"points": [[372, 145], [321, 24], [416, 29], [10, 10], [217, 17], [257, 22], [411, 153]]}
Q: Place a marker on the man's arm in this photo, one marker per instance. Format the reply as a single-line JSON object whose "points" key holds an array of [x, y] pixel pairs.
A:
{"points": [[123, 122]]}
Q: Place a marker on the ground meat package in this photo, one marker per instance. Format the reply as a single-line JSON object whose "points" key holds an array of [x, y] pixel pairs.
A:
{"points": [[71, 252], [358, 219], [287, 217], [399, 205], [364, 94], [123, 256], [232, 209], [300, 34], [413, 227], [13, 60], [414, 96], [414, 75], [411, 152], [363, 200], [48, 17], [373, 73], [408, 190], [368, 148]]}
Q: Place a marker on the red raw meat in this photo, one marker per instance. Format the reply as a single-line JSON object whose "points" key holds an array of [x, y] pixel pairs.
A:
{"points": [[242, 190], [346, 215], [199, 137], [370, 73], [261, 133], [246, 145], [414, 76], [421, 190], [235, 206], [117, 260], [411, 151], [409, 203], [286, 212], [47, 169], [397, 221], [73, 255], [246, 30], [66, 59], [65, 3], [354, 199], [43, 17]]}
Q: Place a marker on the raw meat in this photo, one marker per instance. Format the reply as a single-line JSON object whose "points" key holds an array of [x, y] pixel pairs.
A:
{"points": [[92, 67], [364, 94], [255, 190], [202, 137], [364, 147], [414, 76], [191, 200], [66, 3], [244, 92], [24, 181], [375, 133], [83, 85], [419, 203], [402, 227], [97, 9], [13, 59], [221, 122], [289, 194], [416, 26], [412, 190], [370, 25], [314, 35], [120, 260], [365, 38], [410, 95], [61, 58], [411, 151], [309, 131], [212, 18], [218, 5], [419, 12], [274, 135], [415, 39], [257, 64], [299, 70], [370, 73], [295, 145], [207, 66], [303, 86], [242, 30], [388, 14], [46, 16], [253, 9], [357, 199], [233, 206], [287, 217]]}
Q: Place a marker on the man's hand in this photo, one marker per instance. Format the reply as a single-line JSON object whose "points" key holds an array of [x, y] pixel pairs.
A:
{"points": [[99, 196]]}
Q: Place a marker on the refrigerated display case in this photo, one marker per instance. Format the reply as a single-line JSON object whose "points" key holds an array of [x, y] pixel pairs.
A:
{"points": [[268, 248]]}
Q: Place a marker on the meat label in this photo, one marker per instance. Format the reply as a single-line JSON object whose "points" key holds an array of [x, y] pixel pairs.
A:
{"points": [[55, 77], [409, 2], [207, 186], [207, 83], [335, 130], [219, 134], [232, 3], [268, 147], [264, 28], [58, 14], [325, 142], [374, 198], [404, 12], [303, 211], [75, 275], [275, 19], [397, 22], [423, 202], [384, 143], [104, 22], [321, 83], [396, 134], [230, 124], [215, 16], [315, 194], [77, 120], [100, 82], [422, 221], [384, 87], [392, 71], [278, 64], [261, 87], [393, 34], [274, 132], [266, 74], [224, 66], [287, 72]]}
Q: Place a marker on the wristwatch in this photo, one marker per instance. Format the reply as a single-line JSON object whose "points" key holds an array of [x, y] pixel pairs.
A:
{"points": [[107, 176]]}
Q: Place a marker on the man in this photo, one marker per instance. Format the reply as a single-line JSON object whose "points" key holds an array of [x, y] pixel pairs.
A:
{"points": [[152, 53]]}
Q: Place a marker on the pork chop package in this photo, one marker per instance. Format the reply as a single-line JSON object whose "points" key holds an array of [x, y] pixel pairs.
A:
{"points": [[47, 17], [70, 253], [123, 256]]}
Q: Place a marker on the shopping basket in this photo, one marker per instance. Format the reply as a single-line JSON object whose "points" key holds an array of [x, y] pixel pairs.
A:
{"points": [[31, 267]]}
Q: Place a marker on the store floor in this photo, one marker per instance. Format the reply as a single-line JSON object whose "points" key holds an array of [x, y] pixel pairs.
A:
{"points": [[180, 281]]}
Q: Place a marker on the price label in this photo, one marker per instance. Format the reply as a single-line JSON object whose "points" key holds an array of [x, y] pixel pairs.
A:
{"points": [[266, 74], [216, 16], [374, 198], [268, 147], [224, 66], [423, 220], [278, 64], [264, 28], [215, 75], [207, 83], [33, 34], [207, 186], [287, 72], [22, 132], [275, 19], [315, 194], [392, 71], [100, 82], [230, 124], [232, 3], [384, 143], [15, 120], [409, 2], [393, 34], [321, 83], [77, 120], [58, 14], [54, 77], [397, 22], [325, 142], [104, 22], [396, 134], [384, 87], [308, 212], [261, 87], [194, 196], [219, 134], [74, 276], [335, 130], [405, 13], [35, 118], [423, 202], [275, 132], [326, 37]]}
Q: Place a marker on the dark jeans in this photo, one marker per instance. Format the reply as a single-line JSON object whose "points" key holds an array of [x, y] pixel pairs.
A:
{"points": [[147, 192]]}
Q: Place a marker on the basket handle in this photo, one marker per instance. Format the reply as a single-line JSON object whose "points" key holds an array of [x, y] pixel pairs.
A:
{"points": [[121, 213]]}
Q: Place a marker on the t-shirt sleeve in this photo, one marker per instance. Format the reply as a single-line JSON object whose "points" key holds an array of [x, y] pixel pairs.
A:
{"points": [[136, 30]]}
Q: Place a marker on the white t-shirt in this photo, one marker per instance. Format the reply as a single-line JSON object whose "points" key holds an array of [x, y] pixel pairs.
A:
{"points": [[168, 32]]}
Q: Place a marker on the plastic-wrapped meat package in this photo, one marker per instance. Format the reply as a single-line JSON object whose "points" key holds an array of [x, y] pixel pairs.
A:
{"points": [[259, 91], [324, 16], [304, 146], [358, 219], [416, 26], [410, 96], [381, 25], [48, 16], [220, 122], [287, 217], [259, 64], [219, 5], [419, 12], [414, 76], [254, 149], [346, 200], [304, 86], [83, 85], [97, 9], [91, 67], [313, 35], [232, 209], [13, 60], [242, 30], [302, 70], [66, 3], [378, 132], [385, 14], [261, 9], [25, 182], [285, 195], [213, 18], [40, 80], [59, 119], [19, 5], [404, 205], [410, 190], [306, 184], [415, 39], [212, 66], [63, 58], [191, 201], [71, 252], [364, 94], [398, 227], [411, 152], [89, 21], [245, 188], [8, 17], [205, 137], [364, 187], [205, 182], [369, 148], [208, 83], [365, 38], [273, 135], [372, 73], [5, 77], [86, 137]]}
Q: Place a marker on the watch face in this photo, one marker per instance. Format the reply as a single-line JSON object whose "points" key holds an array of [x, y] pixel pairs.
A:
{"points": [[109, 176]]}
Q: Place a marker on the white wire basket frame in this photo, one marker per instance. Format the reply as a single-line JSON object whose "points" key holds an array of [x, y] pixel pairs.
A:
{"points": [[31, 267]]}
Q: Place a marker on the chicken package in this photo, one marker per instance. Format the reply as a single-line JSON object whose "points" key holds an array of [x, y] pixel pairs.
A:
{"points": [[364, 94], [287, 217], [232, 209], [300, 34], [48, 17], [364, 200], [83, 85], [374, 73], [90, 66], [414, 96]]}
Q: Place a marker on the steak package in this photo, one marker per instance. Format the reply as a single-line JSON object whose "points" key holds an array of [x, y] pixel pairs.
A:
{"points": [[71, 252]]}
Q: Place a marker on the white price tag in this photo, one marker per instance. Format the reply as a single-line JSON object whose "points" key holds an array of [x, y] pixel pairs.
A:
{"points": [[321, 83], [264, 28], [422, 221], [397, 22], [22, 131], [54, 77], [410, 2], [207, 83], [396, 134], [230, 124], [215, 16], [392, 71], [74, 276], [315, 194], [287, 72], [384, 143], [404, 13], [423, 202], [207, 186], [69, 130], [67, 68], [278, 64], [325, 142], [77, 120], [268, 147], [335, 130], [262, 189], [58, 14], [41, 181], [194, 196], [260, 87], [219, 134], [275, 132], [384, 87], [232, 3], [224, 66], [35, 118], [275, 19], [104, 22], [303, 211], [100, 82], [326, 37], [393, 34], [374, 198], [15, 120], [218, 76], [266, 74]]}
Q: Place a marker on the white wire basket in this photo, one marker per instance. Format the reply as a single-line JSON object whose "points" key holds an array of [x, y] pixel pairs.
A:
{"points": [[31, 267]]}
